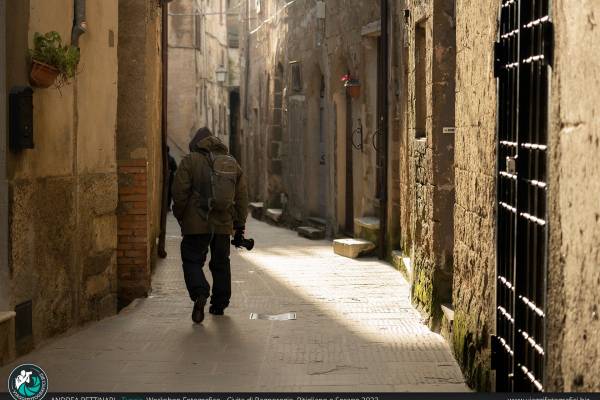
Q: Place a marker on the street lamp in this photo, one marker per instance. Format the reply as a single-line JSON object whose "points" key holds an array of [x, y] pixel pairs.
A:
{"points": [[221, 74]]}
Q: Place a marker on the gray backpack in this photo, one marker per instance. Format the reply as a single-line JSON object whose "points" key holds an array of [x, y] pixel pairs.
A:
{"points": [[223, 181]]}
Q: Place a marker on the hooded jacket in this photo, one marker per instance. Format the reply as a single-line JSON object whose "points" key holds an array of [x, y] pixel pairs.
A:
{"points": [[192, 186]]}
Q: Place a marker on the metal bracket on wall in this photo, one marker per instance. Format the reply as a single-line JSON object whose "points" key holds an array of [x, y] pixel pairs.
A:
{"points": [[358, 132], [376, 134]]}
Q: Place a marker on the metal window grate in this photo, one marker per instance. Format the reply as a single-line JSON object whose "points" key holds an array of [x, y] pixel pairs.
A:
{"points": [[523, 55]]}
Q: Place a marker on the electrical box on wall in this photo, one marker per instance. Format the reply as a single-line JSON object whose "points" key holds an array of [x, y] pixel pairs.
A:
{"points": [[20, 117]]}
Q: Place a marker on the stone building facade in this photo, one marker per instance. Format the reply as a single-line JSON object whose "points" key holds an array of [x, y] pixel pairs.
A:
{"points": [[63, 200], [199, 48], [139, 145], [296, 114], [474, 250], [442, 215]]}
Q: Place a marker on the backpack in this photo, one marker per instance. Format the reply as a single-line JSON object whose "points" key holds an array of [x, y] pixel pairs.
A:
{"points": [[223, 181]]}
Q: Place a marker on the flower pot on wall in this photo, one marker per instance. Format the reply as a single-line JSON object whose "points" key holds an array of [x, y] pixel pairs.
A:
{"points": [[42, 75], [353, 88]]}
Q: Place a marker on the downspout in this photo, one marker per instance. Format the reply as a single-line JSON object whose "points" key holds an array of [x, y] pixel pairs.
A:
{"points": [[162, 253], [79, 22], [4, 228], [383, 90]]}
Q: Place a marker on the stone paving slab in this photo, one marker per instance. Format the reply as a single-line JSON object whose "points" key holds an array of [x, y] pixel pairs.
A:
{"points": [[355, 330]]}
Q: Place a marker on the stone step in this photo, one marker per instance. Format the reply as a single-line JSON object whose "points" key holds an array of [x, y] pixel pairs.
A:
{"points": [[311, 233], [274, 214], [402, 264], [317, 222], [7, 337], [367, 228], [353, 248], [257, 210]]}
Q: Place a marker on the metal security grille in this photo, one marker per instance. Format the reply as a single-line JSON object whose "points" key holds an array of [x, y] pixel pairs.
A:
{"points": [[523, 57]]}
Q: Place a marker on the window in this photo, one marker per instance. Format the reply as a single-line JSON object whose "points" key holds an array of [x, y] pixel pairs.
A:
{"points": [[420, 81], [198, 28], [296, 76], [221, 11], [233, 36]]}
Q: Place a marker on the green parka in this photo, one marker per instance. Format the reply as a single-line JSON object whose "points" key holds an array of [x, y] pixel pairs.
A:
{"points": [[192, 185]]}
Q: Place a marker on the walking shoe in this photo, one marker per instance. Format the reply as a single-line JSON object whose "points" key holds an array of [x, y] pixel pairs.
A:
{"points": [[214, 310], [198, 312]]}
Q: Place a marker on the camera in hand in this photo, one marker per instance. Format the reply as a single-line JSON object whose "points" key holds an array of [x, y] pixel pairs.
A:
{"points": [[240, 241]]}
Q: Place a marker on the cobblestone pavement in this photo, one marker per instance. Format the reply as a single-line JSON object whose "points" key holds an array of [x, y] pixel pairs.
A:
{"points": [[355, 330]]}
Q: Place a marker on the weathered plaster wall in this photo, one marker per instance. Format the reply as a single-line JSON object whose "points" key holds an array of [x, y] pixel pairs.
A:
{"points": [[197, 48], [287, 153], [185, 94], [63, 192], [263, 86], [574, 277], [346, 50], [475, 160]]}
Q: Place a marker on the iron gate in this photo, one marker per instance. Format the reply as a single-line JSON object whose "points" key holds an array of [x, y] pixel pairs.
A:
{"points": [[522, 60]]}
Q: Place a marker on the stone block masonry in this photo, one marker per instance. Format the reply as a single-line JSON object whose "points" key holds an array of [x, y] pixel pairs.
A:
{"points": [[132, 248]]}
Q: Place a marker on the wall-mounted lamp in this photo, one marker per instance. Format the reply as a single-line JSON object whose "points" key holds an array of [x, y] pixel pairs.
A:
{"points": [[221, 73]]}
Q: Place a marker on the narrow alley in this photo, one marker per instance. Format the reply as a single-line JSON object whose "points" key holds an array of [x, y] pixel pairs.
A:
{"points": [[422, 178], [355, 330]]}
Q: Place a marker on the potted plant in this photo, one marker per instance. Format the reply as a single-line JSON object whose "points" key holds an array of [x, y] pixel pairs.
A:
{"points": [[352, 85], [51, 61]]}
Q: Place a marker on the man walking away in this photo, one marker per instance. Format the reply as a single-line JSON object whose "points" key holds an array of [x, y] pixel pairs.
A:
{"points": [[210, 201]]}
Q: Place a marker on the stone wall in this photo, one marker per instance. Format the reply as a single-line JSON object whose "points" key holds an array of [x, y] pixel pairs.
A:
{"points": [[291, 134], [63, 193], [573, 345], [473, 294], [430, 32], [139, 145]]}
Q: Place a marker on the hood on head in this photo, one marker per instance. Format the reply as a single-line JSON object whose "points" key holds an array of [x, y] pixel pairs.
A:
{"points": [[204, 141], [210, 144]]}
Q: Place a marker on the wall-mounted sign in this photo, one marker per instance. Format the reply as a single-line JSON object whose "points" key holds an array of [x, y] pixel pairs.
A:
{"points": [[449, 129]]}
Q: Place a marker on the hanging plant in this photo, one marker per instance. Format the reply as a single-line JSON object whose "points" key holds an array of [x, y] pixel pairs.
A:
{"points": [[51, 61]]}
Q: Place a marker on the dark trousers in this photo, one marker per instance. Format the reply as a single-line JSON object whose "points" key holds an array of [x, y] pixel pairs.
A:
{"points": [[194, 249]]}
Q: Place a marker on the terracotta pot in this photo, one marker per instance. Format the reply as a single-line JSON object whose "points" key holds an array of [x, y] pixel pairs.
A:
{"points": [[353, 89], [42, 75]]}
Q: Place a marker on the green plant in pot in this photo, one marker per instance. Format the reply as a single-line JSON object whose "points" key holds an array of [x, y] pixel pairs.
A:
{"points": [[51, 61]]}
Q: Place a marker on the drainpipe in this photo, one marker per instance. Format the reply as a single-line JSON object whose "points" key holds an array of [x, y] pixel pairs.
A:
{"points": [[4, 228], [383, 91], [79, 22], [162, 253]]}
